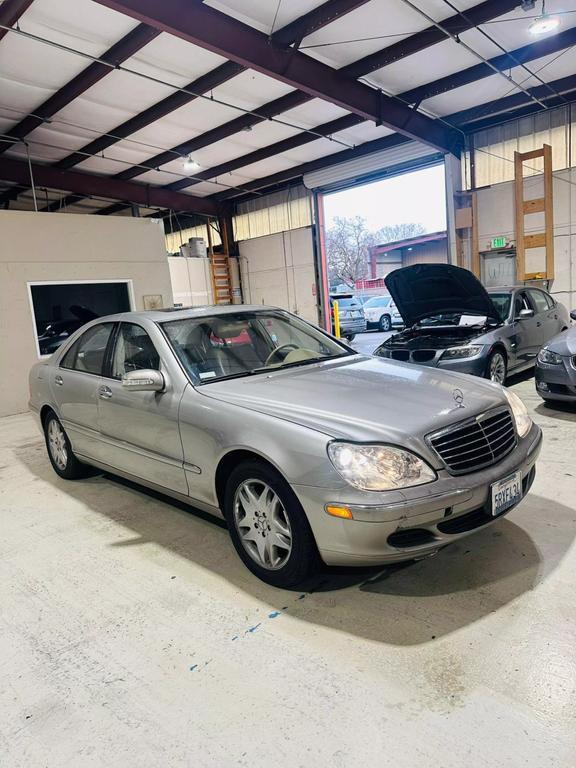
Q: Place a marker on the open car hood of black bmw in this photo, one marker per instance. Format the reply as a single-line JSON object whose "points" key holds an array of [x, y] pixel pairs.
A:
{"points": [[423, 290]]}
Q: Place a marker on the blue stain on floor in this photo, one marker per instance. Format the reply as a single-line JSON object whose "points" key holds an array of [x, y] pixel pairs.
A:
{"points": [[254, 628], [193, 667], [273, 614]]}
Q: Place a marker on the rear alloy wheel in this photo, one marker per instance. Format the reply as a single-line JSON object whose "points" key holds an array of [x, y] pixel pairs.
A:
{"points": [[268, 526], [60, 452], [496, 367], [385, 323]]}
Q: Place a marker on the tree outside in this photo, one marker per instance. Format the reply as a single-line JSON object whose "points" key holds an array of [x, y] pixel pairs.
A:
{"points": [[348, 244]]}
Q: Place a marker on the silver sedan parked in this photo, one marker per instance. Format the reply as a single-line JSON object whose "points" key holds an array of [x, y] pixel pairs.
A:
{"points": [[309, 450]]}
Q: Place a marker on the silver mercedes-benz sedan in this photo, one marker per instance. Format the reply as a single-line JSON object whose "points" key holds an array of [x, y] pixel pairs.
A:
{"points": [[310, 451]]}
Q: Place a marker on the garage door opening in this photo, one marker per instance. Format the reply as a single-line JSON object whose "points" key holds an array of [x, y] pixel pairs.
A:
{"points": [[372, 229]]}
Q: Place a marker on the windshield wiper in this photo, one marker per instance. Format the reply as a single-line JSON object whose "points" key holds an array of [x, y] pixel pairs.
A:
{"points": [[271, 369], [306, 361]]}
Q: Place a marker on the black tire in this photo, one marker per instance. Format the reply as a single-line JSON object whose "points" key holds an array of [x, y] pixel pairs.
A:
{"points": [[385, 323], [497, 359], [303, 560], [72, 469], [350, 336]]}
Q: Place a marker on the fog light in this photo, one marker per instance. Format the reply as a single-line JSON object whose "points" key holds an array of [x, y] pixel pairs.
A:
{"points": [[542, 385], [335, 511]]}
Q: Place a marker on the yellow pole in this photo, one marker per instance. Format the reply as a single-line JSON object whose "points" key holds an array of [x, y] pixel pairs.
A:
{"points": [[336, 320]]}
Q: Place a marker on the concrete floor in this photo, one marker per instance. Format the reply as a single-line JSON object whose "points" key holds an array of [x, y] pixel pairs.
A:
{"points": [[131, 635]]}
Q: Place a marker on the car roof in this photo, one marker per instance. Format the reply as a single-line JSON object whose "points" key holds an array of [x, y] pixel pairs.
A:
{"points": [[505, 288], [177, 313]]}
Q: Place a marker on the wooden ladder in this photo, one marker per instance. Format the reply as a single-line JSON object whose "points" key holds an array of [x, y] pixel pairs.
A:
{"points": [[221, 279], [524, 207]]}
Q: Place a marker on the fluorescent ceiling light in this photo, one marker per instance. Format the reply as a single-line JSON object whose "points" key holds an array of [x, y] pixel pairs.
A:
{"points": [[543, 24]]}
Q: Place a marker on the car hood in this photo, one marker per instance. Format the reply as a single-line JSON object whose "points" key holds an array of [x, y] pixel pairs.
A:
{"points": [[423, 290], [564, 343], [362, 398]]}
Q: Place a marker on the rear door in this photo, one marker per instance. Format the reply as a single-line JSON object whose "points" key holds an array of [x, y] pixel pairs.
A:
{"points": [[527, 329], [75, 384], [140, 429], [546, 314]]}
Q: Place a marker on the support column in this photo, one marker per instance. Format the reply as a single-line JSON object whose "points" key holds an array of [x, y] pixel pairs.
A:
{"points": [[453, 182]]}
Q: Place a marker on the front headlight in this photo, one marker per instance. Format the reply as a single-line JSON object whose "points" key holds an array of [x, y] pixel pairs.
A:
{"points": [[461, 353], [548, 357], [520, 413], [379, 467]]}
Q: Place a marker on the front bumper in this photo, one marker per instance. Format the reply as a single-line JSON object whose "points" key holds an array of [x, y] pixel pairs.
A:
{"points": [[417, 522], [476, 366], [556, 382]]}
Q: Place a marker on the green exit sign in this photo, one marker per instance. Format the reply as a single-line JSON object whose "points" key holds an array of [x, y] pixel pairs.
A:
{"points": [[499, 242]]}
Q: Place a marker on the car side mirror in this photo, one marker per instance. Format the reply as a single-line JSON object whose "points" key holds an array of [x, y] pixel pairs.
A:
{"points": [[525, 313], [573, 314], [146, 380]]}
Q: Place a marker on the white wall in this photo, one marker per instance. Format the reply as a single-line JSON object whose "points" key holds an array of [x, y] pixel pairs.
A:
{"points": [[36, 247], [278, 270], [191, 281], [496, 217]]}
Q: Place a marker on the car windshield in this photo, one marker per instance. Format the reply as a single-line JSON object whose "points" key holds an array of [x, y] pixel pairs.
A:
{"points": [[502, 303], [379, 301], [347, 302], [237, 344]]}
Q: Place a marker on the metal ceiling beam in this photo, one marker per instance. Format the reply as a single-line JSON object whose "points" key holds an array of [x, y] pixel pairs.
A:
{"points": [[89, 184], [119, 52], [10, 12], [340, 124], [505, 61], [413, 44], [470, 120], [293, 32], [221, 34], [443, 85], [499, 110], [478, 14]]}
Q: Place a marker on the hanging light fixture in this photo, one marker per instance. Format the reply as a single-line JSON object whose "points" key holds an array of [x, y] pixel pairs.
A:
{"points": [[544, 23], [190, 164]]}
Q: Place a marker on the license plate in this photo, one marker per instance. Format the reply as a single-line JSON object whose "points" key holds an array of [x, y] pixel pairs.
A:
{"points": [[506, 493], [355, 314]]}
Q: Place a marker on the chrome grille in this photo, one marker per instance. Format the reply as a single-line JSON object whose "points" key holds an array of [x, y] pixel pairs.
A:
{"points": [[475, 443]]}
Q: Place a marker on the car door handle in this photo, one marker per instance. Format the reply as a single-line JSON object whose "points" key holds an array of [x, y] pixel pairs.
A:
{"points": [[58, 380], [538, 324], [105, 393]]}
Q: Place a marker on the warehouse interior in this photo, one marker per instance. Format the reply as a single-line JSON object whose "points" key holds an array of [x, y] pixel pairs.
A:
{"points": [[174, 155]]}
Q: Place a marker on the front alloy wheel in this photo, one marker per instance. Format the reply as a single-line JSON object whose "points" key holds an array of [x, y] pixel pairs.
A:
{"points": [[385, 323], [268, 527], [262, 524], [497, 367]]}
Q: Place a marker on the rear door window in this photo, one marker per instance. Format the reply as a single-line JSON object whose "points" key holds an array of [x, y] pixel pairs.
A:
{"points": [[539, 300], [89, 352]]}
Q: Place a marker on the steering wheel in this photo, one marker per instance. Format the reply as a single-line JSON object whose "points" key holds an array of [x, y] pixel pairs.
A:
{"points": [[271, 357]]}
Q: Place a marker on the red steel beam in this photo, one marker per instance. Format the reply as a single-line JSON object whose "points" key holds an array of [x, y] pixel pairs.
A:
{"points": [[119, 52], [89, 184], [478, 14], [10, 12], [468, 120], [221, 34], [443, 85], [299, 28], [413, 44]]}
